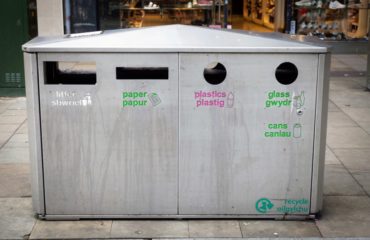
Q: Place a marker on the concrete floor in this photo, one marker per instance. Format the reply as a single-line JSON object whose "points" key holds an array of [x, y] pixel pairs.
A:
{"points": [[347, 179]]}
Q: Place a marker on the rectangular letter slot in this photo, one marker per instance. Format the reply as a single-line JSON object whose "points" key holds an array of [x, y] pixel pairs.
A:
{"points": [[149, 73], [83, 73]]}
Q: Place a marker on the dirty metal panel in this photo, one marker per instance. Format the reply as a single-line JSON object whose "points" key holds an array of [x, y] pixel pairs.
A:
{"points": [[246, 143], [110, 146]]}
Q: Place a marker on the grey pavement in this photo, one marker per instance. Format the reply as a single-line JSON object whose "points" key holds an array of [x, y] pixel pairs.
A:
{"points": [[346, 210]]}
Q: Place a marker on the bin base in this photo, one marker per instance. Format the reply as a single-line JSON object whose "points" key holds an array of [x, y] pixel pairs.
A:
{"points": [[177, 217]]}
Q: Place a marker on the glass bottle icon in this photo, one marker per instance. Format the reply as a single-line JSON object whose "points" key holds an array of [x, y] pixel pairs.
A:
{"points": [[230, 100], [298, 101], [297, 130]]}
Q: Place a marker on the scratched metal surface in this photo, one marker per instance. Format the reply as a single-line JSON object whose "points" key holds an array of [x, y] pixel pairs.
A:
{"points": [[101, 158], [322, 97], [226, 163], [33, 119], [174, 38]]}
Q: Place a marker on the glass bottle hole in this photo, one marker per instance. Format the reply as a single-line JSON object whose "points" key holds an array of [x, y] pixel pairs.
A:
{"points": [[286, 73]]}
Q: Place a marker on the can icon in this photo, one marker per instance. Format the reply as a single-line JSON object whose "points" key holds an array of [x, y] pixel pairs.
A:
{"points": [[297, 130]]}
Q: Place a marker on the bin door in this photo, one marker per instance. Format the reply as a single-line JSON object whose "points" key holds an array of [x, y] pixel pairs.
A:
{"points": [[246, 139], [109, 133]]}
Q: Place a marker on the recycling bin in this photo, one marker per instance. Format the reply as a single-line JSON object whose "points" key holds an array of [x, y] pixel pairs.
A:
{"points": [[176, 122]]}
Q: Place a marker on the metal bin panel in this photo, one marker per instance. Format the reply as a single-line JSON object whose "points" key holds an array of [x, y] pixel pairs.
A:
{"points": [[103, 156], [240, 152]]}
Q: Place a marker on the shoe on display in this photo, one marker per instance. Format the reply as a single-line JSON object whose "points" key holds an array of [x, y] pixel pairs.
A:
{"points": [[303, 25], [319, 4], [335, 26], [336, 5], [305, 3]]}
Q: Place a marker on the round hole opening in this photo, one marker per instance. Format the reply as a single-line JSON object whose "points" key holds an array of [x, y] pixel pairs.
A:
{"points": [[286, 73], [215, 73]]}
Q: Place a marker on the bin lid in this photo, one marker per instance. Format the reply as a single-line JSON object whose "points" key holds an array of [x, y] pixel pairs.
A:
{"points": [[173, 38]]}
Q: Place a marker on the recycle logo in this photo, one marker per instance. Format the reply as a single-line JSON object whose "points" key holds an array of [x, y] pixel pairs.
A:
{"points": [[263, 205]]}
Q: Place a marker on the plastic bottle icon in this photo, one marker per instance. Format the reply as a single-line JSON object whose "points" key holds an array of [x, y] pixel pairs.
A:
{"points": [[230, 100], [297, 130], [154, 99]]}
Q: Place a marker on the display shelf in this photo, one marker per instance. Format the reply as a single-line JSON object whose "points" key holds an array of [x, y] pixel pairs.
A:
{"points": [[269, 13], [257, 14], [197, 12], [350, 22], [248, 9], [262, 12]]}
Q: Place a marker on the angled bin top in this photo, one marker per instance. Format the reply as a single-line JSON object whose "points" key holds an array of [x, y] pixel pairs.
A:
{"points": [[173, 38]]}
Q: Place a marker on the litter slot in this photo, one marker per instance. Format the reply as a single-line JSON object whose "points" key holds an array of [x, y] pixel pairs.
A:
{"points": [[83, 73]]}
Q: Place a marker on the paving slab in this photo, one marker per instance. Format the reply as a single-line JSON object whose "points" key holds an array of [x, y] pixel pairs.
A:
{"points": [[349, 60], [8, 128], [23, 128], [338, 65], [3, 108], [150, 229], [364, 180], [330, 158], [14, 155], [351, 98], [361, 81], [14, 112], [71, 229], [365, 126], [332, 107], [339, 119], [345, 216], [271, 229], [338, 182], [340, 84], [20, 104], [347, 137], [15, 180], [11, 119], [214, 228], [4, 137], [358, 114], [18, 140], [16, 218], [354, 159]]}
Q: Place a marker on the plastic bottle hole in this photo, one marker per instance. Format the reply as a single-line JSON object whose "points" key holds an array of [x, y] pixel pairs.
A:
{"points": [[215, 73]]}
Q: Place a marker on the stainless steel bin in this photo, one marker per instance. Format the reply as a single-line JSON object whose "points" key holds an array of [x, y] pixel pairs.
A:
{"points": [[176, 121]]}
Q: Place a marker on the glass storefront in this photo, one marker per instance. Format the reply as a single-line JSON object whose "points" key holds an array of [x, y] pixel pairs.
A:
{"points": [[83, 15], [325, 19], [332, 20]]}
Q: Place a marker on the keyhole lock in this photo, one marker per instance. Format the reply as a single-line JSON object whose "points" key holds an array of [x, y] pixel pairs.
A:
{"points": [[299, 112]]}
